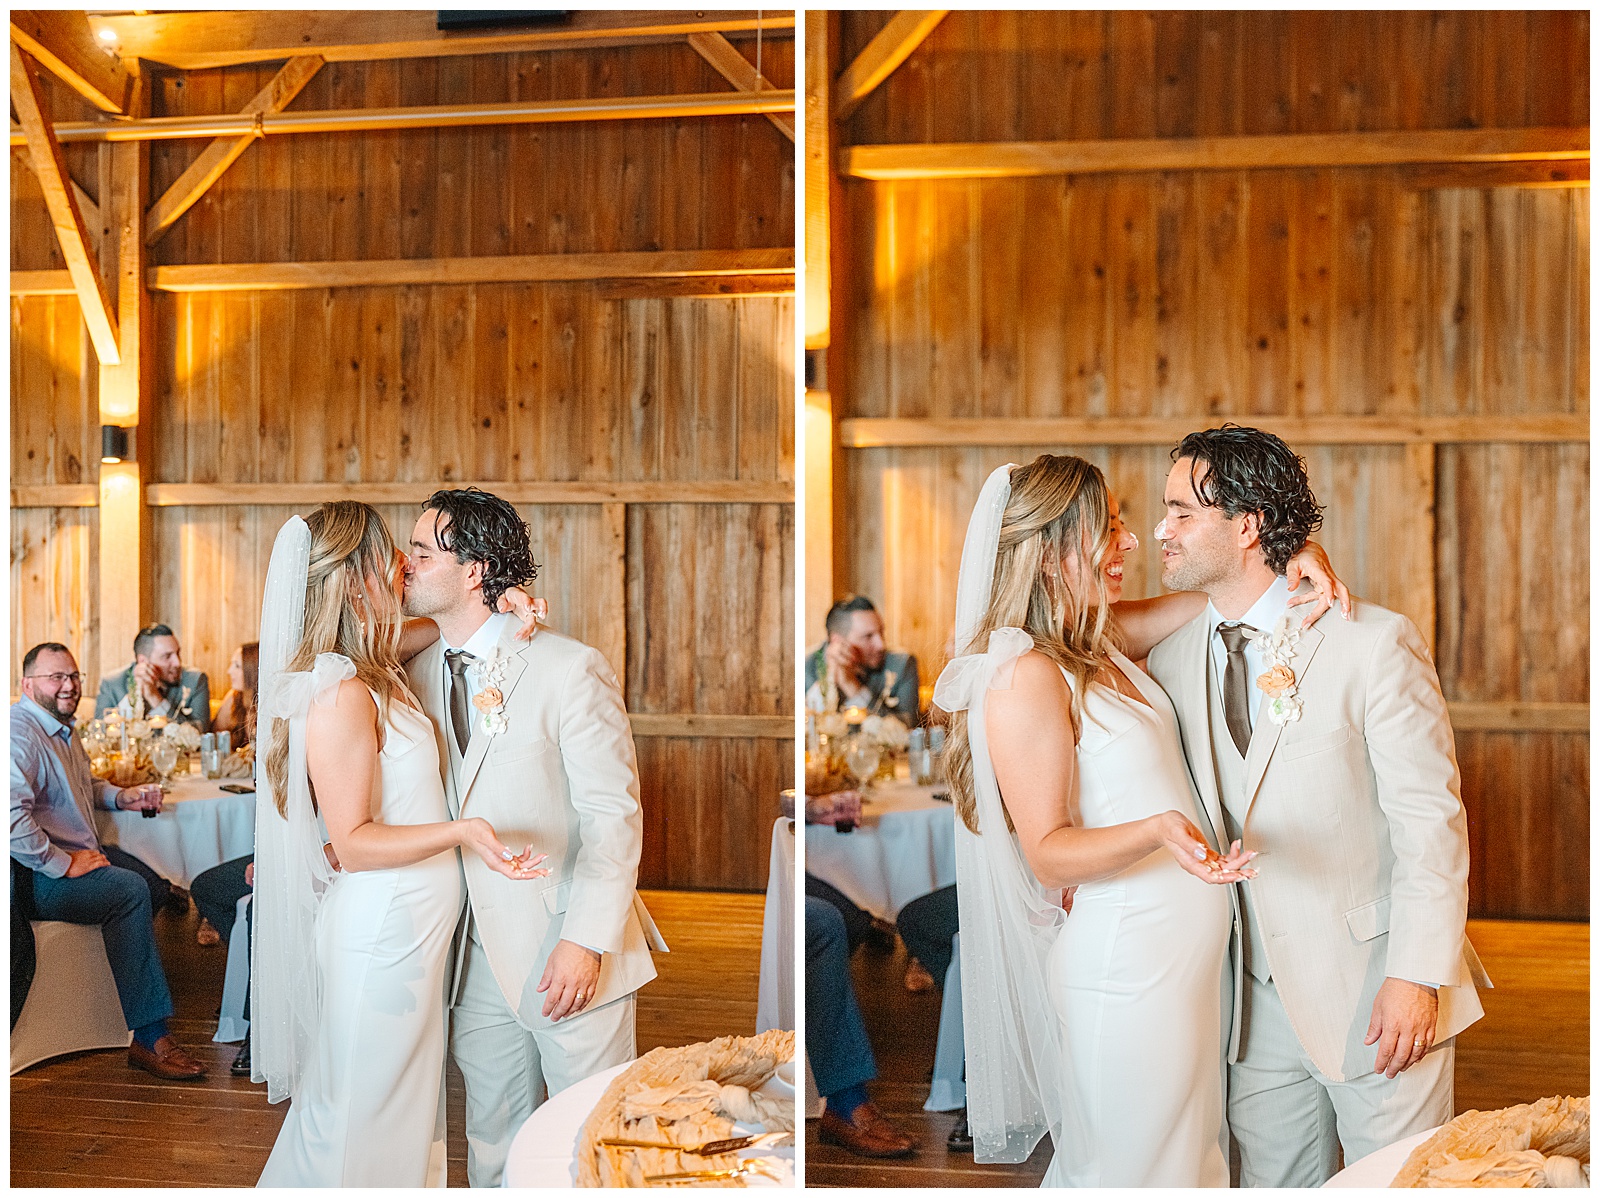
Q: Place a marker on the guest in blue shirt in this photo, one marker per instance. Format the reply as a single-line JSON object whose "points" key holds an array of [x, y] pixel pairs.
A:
{"points": [[53, 796]]}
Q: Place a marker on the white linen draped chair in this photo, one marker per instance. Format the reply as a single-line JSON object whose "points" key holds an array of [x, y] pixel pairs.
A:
{"points": [[72, 1005]]}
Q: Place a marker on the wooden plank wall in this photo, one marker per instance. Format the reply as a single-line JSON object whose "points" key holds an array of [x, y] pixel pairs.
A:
{"points": [[489, 382], [1266, 292], [55, 422]]}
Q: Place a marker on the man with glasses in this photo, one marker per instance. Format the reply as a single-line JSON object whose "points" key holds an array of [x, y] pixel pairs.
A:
{"points": [[158, 680], [74, 879]]}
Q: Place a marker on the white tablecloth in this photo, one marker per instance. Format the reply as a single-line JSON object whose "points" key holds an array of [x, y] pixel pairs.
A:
{"points": [[775, 996], [1378, 1169], [542, 1154], [903, 849], [200, 826]]}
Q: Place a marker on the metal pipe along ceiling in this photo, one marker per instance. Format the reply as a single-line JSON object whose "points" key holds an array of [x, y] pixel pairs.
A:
{"points": [[348, 120]]}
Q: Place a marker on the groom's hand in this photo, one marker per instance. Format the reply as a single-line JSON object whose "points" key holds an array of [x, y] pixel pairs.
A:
{"points": [[569, 980], [1404, 1018]]}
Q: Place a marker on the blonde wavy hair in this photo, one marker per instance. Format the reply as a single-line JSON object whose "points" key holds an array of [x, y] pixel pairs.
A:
{"points": [[1059, 506], [351, 608]]}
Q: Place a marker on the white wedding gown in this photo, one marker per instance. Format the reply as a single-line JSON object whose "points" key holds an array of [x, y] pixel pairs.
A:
{"points": [[1136, 974], [370, 1107]]}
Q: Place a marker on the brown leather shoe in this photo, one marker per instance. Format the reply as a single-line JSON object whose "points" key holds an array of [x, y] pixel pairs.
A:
{"points": [[166, 1060], [865, 1133]]}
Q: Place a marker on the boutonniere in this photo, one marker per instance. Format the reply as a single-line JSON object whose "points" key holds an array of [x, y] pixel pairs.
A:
{"points": [[1278, 683], [887, 696], [490, 699]]}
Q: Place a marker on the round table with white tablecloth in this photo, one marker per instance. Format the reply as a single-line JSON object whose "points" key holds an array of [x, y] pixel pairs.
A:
{"points": [[903, 848], [1377, 1169], [775, 993], [200, 826], [542, 1154]]}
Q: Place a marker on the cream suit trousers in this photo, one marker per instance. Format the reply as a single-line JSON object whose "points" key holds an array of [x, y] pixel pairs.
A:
{"points": [[1288, 1119], [509, 1070]]}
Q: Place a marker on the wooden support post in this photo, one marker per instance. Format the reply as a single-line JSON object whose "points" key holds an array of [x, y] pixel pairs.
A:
{"points": [[613, 598], [216, 158], [840, 315], [1421, 592], [127, 573], [818, 166], [893, 45], [48, 164], [736, 69], [820, 440]]}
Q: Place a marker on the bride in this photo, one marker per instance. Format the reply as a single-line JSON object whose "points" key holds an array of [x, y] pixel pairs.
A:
{"points": [[1103, 1030], [352, 930]]}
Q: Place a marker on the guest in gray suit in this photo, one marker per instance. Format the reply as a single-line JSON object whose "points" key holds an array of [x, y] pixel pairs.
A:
{"points": [[859, 669], [157, 673]]}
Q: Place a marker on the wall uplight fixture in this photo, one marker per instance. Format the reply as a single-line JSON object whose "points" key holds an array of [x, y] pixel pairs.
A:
{"points": [[115, 445]]}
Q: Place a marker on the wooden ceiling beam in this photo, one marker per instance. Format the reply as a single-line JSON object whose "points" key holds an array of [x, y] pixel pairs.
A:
{"points": [[62, 41], [51, 168], [1008, 160], [433, 116], [1509, 428], [885, 52], [203, 40], [527, 268], [733, 66], [216, 158]]}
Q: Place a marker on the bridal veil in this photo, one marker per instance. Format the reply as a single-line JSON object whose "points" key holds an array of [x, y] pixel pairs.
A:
{"points": [[1016, 1074]]}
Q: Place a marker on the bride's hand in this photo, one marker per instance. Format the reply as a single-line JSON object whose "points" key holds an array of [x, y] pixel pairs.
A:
{"points": [[1312, 562], [478, 835], [1183, 840], [529, 610]]}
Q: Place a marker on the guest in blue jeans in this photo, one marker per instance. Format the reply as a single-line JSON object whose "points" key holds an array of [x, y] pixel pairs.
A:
{"points": [[53, 796], [837, 1045]]}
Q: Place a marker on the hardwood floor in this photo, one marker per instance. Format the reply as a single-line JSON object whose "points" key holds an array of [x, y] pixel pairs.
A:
{"points": [[1532, 1042], [89, 1120]]}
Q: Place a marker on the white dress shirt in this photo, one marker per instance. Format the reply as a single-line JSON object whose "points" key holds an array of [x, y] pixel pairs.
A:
{"points": [[1263, 616], [480, 644]]}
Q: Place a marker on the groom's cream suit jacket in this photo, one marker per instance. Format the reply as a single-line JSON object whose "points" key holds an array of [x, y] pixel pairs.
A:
{"points": [[561, 778], [1356, 811]]}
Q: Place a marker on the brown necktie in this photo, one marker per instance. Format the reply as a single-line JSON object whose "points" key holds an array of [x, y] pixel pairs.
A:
{"points": [[460, 720], [1236, 685]]}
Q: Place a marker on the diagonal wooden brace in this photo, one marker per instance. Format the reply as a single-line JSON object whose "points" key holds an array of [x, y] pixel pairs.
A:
{"points": [[44, 152]]}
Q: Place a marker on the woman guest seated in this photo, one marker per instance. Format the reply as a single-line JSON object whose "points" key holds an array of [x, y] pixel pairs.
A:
{"points": [[236, 716], [237, 713]]}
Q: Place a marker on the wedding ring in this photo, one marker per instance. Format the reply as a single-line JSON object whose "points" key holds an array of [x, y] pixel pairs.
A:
{"points": [[1416, 1044]]}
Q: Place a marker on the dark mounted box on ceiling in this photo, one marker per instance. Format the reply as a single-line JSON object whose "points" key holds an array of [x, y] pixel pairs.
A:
{"points": [[478, 18]]}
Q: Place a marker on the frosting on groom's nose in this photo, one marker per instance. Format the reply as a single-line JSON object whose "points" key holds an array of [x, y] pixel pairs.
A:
{"points": [[1162, 531]]}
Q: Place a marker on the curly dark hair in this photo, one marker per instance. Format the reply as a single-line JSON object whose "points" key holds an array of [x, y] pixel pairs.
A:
{"points": [[485, 528], [1253, 471]]}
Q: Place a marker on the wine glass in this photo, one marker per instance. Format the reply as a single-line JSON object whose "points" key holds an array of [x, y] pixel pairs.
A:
{"points": [[861, 757], [164, 757]]}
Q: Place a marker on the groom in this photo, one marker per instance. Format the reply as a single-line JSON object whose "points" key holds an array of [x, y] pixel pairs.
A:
{"points": [[1328, 751], [533, 737]]}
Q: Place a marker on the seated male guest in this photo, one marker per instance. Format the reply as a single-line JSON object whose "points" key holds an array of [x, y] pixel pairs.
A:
{"points": [[837, 1045], [852, 668], [844, 807], [53, 796], [158, 677]]}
